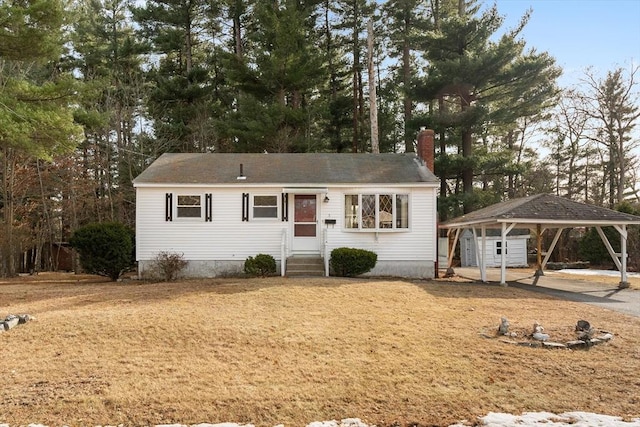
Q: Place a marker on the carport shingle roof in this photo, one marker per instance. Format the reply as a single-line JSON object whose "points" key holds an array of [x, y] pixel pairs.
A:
{"points": [[286, 169], [543, 208]]}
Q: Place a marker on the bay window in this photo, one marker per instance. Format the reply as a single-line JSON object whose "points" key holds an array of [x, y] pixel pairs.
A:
{"points": [[376, 212]]}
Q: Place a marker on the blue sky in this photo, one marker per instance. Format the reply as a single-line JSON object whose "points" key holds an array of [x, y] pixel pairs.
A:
{"points": [[603, 34]]}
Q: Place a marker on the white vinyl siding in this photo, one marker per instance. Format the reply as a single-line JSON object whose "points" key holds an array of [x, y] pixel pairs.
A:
{"points": [[228, 238]]}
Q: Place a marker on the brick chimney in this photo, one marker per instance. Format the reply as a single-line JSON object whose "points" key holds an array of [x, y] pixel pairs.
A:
{"points": [[426, 147]]}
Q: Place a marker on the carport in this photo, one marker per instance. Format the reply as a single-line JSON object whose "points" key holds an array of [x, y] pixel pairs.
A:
{"points": [[539, 213]]}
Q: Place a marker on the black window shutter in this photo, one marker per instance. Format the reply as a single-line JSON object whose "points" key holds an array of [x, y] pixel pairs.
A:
{"points": [[168, 207], [208, 207], [285, 206], [245, 206]]}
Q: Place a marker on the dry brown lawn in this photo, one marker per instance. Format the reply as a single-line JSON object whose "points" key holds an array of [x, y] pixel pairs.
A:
{"points": [[292, 351], [634, 282]]}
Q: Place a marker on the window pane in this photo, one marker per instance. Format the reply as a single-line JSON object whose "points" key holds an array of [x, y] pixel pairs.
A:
{"points": [[385, 213], [188, 207], [369, 211], [265, 212], [265, 201], [265, 206], [304, 230], [351, 211], [188, 212], [305, 208], [188, 200], [402, 211]]}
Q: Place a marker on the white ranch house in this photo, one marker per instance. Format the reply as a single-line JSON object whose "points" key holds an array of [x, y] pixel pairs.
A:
{"points": [[219, 209]]}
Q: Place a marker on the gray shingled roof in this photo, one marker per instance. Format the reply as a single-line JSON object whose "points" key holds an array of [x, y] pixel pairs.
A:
{"points": [[286, 169], [543, 208]]}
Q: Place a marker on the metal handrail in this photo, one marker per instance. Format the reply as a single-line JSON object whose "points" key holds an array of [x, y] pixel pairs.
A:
{"points": [[325, 250], [283, 252]]}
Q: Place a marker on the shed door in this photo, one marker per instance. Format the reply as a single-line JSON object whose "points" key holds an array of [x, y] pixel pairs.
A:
{"points": [[305, 223]]}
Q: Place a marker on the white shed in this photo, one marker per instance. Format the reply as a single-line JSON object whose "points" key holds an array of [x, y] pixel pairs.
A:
{"points": [[516, 250]]}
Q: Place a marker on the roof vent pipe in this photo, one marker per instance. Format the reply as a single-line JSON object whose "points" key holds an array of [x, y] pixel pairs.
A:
{"points": [[241, 176]]}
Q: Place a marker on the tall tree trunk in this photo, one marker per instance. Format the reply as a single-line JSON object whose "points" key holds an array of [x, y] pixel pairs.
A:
{"points": [[8, 267], [622, 168], [373, 106], [356, 81], [511, 191], [467, 135], [442, 174], [467, 153], [237, 31], [408, 102]]}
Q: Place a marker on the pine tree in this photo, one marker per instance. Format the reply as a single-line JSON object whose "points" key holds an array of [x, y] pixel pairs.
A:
{"points": [[107, 59], [276, 79], [612, 106], [180, 36], [336, 120], [36, 117], [353, 16], [476, 82], [406, 21]]}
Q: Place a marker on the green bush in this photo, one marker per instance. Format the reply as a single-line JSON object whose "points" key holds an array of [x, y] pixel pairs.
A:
{"points": [[105, 248], [591, 247], [349, 262], [262, 265]]}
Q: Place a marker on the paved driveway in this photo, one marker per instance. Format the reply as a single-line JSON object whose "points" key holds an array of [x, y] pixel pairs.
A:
{"points": [[586, 291]]}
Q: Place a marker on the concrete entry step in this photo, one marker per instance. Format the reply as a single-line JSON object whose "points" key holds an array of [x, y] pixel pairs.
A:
{"points": [[305, 266]]}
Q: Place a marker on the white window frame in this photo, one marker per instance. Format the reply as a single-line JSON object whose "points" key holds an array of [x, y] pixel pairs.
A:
{"points": [[177, 207], [276, 217], [377, 229]]}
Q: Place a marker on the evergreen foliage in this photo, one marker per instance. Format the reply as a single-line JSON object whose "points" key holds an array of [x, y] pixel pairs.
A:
{"points": [[591, 247], [36, 110], [105, 248], [350, 262], [262, 265], [477, 82], [92, 91]]}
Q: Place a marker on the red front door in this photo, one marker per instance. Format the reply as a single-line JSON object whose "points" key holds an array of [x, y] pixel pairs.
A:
{"points": [[305, 223]]}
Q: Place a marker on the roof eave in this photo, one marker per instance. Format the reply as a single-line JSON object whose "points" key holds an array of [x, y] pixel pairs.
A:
{"points": [[497, 222], [283, 184]]}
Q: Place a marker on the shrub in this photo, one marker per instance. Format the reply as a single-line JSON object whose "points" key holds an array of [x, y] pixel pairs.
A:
{"points": [[349, 262], [105, 248], [262, 265], [591, 247], [169, 264]]}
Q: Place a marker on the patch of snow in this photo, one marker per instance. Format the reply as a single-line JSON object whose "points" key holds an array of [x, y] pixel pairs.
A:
{"points": [[589, 272], [347, 422], [547, 419]]}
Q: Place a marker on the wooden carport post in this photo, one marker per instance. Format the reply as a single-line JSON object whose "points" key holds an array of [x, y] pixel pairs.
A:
{"points": [[539, 271]]}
